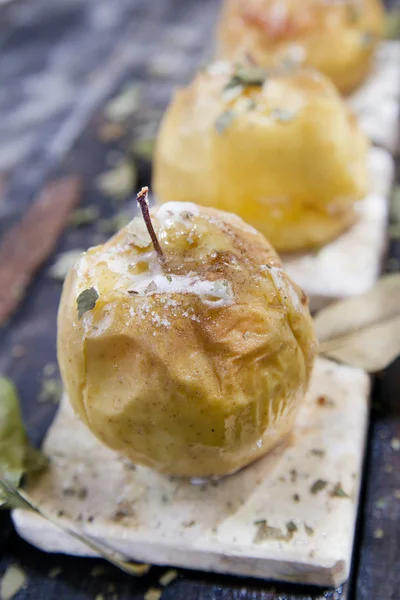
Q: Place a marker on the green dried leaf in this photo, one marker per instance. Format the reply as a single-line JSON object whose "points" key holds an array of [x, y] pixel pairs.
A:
{"points": [[363, 331], [247, 75], [393, 25], [17, 456], [395, 206], [84, 216], [338, 492], [318, 486], [12, 582], [224, 120], [86, 301], [120, 181], [63, 263], [266, 532], [125, 104]]}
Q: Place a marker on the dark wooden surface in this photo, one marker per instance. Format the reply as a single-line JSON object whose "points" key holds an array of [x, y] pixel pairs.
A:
{"points": [[60, 62]]}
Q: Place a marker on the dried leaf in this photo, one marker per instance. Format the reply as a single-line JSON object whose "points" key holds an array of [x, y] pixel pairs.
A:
{"points": [[224, 120], [395, 205], [363, 331], [266, 532], [120, 181], [247, 75], [168, 577], [125, 104], [338, 492], [28, 244], [84, 216], [393, 25], [86, 301], [13, 580], [17, 456], [153, 594], [63, 263]]}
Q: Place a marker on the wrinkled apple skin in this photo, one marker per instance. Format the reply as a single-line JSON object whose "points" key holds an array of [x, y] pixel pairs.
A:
{"points": [[195, 370]]}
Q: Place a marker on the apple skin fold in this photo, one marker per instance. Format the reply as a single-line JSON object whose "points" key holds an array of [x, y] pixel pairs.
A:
{"points": [[195, 367]]}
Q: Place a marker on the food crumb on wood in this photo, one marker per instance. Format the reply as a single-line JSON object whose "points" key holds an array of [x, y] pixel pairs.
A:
{"points": [[168, 577], [13, 580], [378, 533], [153, 594], [55, 572]]}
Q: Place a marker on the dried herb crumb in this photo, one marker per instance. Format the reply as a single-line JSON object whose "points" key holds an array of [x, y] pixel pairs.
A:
{"points": [[318, 486], [291, 526], [296, 497], [168, 577], [309, 530], [318, 452], [189, 524], [338, 492], [98, 571], [380, 503], [378, 533], [293, 475], [153, 594], [86, 301], [324, 401]]}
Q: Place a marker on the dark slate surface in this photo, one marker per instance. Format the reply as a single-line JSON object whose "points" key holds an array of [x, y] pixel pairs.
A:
{"points": [[60, 62]]}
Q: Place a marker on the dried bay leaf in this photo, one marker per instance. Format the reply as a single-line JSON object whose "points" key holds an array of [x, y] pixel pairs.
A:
{"points": [[363, 331], [86, 301], [17, 456]]}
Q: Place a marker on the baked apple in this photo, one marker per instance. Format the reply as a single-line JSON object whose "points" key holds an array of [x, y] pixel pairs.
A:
{"points": [[336, 37], [192, 360], [280, 149]]}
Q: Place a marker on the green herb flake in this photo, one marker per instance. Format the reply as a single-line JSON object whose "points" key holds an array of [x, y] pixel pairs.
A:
{"points": [[84, 216], [86, 301], [393, 25], [12, 582], [338, 492], [169, 278], [247, 75], [380, 504], [309, 530], [395, 205], [291, 526], [318, 486], [224, 121], [318, 452]]}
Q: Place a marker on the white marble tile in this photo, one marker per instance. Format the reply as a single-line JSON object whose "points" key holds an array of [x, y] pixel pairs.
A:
{"points": [[221, 526], [377, 101], [351, 264]]}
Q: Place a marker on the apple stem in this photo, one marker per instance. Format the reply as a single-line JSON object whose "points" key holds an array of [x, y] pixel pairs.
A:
{"points": [[142, 199]]}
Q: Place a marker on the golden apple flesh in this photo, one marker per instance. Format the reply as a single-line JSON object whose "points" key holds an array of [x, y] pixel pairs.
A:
{"points": [[195, 368], [286, 155], [338, 38]]}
